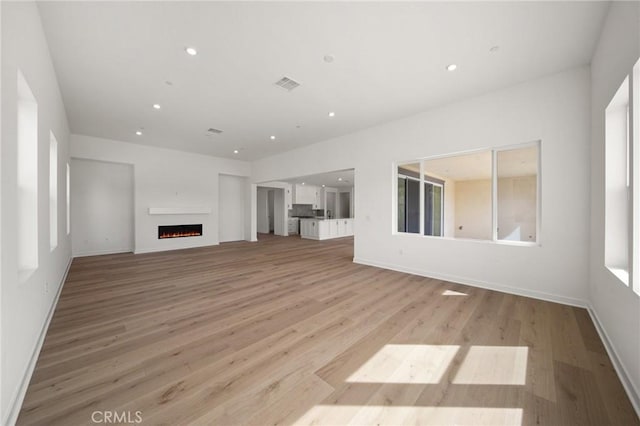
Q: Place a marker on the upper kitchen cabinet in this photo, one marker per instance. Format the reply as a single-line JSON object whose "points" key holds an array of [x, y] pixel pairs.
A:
{"points": [[306, 194]]}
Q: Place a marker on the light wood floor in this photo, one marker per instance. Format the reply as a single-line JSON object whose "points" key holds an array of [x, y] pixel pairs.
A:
{"points": [[291, 331]]}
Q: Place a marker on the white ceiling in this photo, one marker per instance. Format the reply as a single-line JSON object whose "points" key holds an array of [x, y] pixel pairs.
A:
{"points": [[113, 60], [337, 179]]}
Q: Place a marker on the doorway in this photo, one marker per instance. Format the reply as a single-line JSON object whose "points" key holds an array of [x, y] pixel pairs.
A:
{"points": [[271, 209], [331, 204], [345, 204]]}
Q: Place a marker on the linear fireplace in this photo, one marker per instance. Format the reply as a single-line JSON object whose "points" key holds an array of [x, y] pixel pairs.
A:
{"points": [[179, 231]]}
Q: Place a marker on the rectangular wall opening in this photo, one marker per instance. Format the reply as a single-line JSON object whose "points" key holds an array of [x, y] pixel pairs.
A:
{"points": [[491, 195]]}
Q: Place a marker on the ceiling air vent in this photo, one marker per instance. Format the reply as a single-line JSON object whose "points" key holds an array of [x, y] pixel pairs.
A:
{"points": [[287, 83], [213, 131]]}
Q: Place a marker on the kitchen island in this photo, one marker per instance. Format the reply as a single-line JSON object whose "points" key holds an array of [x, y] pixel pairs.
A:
{"points": [[324, 229]]}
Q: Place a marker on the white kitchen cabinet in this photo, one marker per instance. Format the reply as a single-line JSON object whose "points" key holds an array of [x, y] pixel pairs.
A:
{"points": [[345, 227], [306, 194], [323, 230], [309, 228], [288, 197], [332, 228], [319, 229], [317, 190]]}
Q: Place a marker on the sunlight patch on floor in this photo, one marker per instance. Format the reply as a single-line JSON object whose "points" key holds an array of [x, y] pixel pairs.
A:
{"points": [[453, 293], [493, 365], [406, 364], [462, 416]]}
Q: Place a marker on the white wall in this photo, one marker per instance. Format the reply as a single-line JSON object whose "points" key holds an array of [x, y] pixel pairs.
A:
{"points": [[615, 305], [554, 109], [250, 211], [101, 207], [231, 208], [263, 210], [26, 306], [280, 225], [167, 178]]}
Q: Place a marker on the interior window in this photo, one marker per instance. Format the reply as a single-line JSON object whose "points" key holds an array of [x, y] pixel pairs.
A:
{"points": [[461, 185], [485, 195], [517, 171]]}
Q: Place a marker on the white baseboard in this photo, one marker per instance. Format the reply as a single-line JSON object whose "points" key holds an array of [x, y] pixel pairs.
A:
{"points": [[102, 252], [482, 284], [632, 392], [16, 404]]}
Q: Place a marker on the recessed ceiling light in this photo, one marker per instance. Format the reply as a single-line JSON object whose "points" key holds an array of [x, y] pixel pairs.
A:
{"points": [[451, 67], [156, 106], [303, 183], [340, 179], [273, 138], [235, 151], [323, 186], [139, 133], [191, 51], [332, 114]]}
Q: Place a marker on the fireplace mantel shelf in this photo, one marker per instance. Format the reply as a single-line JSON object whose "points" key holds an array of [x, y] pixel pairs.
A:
{"points": [[179, 210]]}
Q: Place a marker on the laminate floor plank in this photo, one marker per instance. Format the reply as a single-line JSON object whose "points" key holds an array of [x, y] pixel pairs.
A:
{"points": [[291, 331]]}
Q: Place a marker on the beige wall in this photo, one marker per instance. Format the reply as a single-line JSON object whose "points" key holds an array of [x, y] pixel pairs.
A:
{"points": [[473, 209], [517, 208]]}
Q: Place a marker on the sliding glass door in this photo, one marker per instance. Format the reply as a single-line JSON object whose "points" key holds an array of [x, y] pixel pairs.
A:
{"points": [[409, 206], [433, 209]]}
